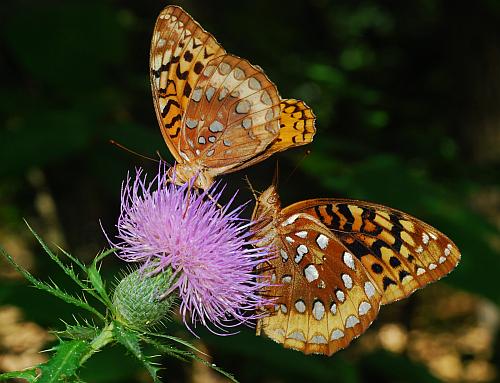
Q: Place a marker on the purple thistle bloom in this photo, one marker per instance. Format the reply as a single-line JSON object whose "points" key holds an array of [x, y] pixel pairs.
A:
{"points": [[208, 248]]}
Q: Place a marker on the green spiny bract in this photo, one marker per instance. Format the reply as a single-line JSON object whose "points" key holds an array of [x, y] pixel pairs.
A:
{"points": [[138, 299]]}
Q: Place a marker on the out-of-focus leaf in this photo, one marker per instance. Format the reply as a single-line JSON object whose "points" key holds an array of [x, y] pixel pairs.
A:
{"points": [[286, 364], [66, 44], [385, 367]]}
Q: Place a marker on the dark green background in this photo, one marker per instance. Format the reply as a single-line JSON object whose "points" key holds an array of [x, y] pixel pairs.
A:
{"points": [[407, 98]]}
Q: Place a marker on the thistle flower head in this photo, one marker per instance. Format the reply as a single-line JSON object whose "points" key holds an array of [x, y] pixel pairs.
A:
{"points": [[206, 248]]}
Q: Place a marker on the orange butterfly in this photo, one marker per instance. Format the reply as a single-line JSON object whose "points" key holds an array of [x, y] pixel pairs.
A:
{"points": [[217, 112], [337, 261]]}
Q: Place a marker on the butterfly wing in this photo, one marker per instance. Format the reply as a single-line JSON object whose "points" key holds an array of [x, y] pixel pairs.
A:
{"points": [[296, 128], [324, 297], [233, 114], [217, 110], [180, 50], [399, 252]]}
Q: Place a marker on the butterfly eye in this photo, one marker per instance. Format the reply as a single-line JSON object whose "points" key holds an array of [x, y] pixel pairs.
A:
{"points": [[272, 199]]}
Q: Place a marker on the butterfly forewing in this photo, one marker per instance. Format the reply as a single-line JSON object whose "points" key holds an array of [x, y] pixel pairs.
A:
{"points": [[233, 113], [324, 299], [398, 251], [180, 50]]}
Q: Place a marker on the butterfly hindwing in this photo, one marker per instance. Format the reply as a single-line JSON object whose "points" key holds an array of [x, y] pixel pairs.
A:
{"points": [[296, 128], [296, 125], [324, 299]]}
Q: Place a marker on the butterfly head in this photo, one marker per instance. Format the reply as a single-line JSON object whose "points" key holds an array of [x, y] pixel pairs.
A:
{"points": [[267, 205], [265, 215]]}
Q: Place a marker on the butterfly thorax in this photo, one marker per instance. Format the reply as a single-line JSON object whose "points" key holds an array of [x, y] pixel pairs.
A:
{"points": [[187, 171], [266, 215]]}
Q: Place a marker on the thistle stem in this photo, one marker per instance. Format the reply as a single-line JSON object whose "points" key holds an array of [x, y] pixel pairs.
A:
{"points": [[106, 336]]}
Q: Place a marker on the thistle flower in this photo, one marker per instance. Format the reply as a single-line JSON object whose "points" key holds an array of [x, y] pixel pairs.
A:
{"points": [[205, 247]]}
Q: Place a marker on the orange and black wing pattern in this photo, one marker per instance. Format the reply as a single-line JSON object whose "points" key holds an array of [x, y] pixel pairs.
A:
{"points": [[336, 262]]}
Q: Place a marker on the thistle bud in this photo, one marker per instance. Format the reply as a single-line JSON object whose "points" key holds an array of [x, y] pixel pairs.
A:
{"points": [[138, 298]]}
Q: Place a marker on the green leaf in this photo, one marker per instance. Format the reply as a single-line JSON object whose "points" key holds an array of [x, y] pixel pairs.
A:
{"points": [[111, 365], [78, 332], [177, 340], [51, 289], [214, 367], [98, 284], [102, 255], [183, 355], [96, 279], [72, 258], [65, 362], [92, 273], [131, 341], [30, 375], [169, 350], [67, 269]]}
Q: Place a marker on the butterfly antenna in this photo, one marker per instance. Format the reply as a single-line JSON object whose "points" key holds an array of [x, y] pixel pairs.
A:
{"points": [[214, 201], [254, 192], [161, 158], [188, 200], [276, 175], [113, 142], [306, 153]]}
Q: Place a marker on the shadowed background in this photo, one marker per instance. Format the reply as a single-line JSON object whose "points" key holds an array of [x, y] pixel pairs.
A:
{"points": [[407, 99]]}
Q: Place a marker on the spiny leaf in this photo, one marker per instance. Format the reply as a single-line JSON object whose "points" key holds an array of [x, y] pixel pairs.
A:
{"points": [[72, 258], [131, 341], [177, 340], [54, 290], [67, 269], [169, 350], [29, 375], [101, 256], [65, 362], [96, 280], [78, 332], [183, 354], [213, 366], [98, 284]]}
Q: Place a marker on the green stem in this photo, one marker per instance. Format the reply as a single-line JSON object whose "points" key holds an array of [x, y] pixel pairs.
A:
{"points": [[106, 336]]}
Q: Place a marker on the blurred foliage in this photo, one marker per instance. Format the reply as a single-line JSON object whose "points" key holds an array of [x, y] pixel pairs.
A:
{"points": [[406, 95]]}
